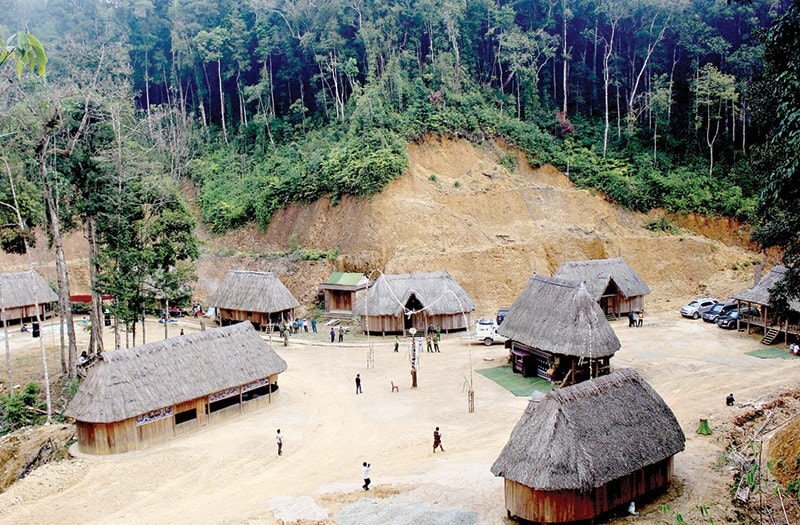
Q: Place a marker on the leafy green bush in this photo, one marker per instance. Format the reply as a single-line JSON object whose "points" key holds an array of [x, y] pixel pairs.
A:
{"points": [[22, 409]]}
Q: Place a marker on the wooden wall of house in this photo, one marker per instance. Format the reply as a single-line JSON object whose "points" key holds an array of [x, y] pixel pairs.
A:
{"points": [[389, 324], [260, 320], [107, 438], [125, 436], [27, 312], [631, 304], [339, 300], [566, 506]]}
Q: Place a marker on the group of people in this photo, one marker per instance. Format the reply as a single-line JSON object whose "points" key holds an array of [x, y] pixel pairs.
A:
{"points": [[293, 326], [341, 334], [635, 318], [367, 467]]}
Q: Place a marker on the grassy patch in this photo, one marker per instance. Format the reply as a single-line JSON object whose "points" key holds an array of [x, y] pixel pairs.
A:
{"points": [[515, 383]]}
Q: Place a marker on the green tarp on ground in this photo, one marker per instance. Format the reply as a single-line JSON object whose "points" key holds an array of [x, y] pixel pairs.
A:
{"points": [[772, 353], [515, 383]]}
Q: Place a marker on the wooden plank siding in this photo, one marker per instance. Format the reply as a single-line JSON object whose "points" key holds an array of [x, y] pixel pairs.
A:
{"points": [[260, 320], [572, 506], [389, 324], [127, 436], [27, 313]]}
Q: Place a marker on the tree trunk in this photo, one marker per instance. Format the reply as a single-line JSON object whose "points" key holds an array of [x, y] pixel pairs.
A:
{"points": [[97, 317], [565, 56], [9, 378], [222, 102]]}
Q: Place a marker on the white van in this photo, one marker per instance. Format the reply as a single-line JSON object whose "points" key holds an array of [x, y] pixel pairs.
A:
{"points": [[486, 331]]}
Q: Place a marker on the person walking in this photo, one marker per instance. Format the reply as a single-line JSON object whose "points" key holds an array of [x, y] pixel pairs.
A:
{"points": [[396, 344], [314, 325], [366, 466], [333, 334], [437, 440], [341, 334], [286, 338], [305, 325], [358, 384], [428, 344], [279, 441], [436, 339]]}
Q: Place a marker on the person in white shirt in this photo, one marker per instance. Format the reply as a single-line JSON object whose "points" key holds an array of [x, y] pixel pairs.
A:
{"points": [[366, 475], [279, 441]]}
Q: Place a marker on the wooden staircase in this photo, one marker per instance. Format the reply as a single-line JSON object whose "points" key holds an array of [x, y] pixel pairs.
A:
{"points": [[770, 336]]}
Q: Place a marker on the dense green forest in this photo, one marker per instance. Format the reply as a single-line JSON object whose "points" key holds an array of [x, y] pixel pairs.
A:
{"points": [[261, 103], [689, 105]]}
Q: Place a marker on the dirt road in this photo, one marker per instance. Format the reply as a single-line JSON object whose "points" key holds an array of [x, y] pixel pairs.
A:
{"points": [[230, 472]]}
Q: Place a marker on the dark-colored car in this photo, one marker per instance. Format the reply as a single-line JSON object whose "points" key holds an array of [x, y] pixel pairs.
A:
{"points": [[729, 320], [718, 309], [501, 314]]}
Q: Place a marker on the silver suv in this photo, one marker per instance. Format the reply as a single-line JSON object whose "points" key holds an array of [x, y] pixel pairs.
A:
{"points": [[698, 307]]}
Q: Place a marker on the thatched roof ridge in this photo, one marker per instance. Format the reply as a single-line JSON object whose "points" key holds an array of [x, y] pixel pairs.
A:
{"points": [[17, 289], [586, 435], [561, 317], [253, 292], [438, 292], [760, 293], [598, 272], [133, 381]]}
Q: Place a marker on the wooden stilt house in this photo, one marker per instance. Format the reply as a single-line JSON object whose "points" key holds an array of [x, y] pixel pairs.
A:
{"points": [[396, 303], [556, 330], [20, 292], [258, 297], [150, 393], [579, 452], [616, 287], [768, 323]]}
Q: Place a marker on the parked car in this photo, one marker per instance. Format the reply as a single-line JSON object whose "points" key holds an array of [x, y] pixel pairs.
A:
{"points": [[730, 319], [718, 309], [486, 331], [501, 314], [698, 307]]}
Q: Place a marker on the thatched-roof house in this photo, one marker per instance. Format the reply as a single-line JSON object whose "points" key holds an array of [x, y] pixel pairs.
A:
{"points": [[759, 295], [584, 450], [20, 292], [341, 293], [258, 297], [150, 393], [614, 284], [396, 303], [556, 330]]}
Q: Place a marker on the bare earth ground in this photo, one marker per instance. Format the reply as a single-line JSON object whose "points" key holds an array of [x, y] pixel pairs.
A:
{"points": [[230, 473], [457, 209]]}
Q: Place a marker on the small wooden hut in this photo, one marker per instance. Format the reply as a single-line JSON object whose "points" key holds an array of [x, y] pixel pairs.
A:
{"points": [[582, 451], [150, 393], [760, 295], [556, 330], [20, 292], [396, 303], [616, 287], [258, 297], [341, 293]]}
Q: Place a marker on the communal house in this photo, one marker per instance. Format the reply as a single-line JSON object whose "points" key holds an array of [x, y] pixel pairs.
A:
{"points": [[556, 330], [258, 297], [398, 303], [616, 287], [150, 393], [581, 451]]}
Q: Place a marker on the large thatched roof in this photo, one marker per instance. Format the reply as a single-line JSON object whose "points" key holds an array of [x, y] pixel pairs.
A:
{"points": [[583, 436], [126, 383], [760, 293], [561, 317], [438, 293], [17, 289], [253, 292], [598, 273]]}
